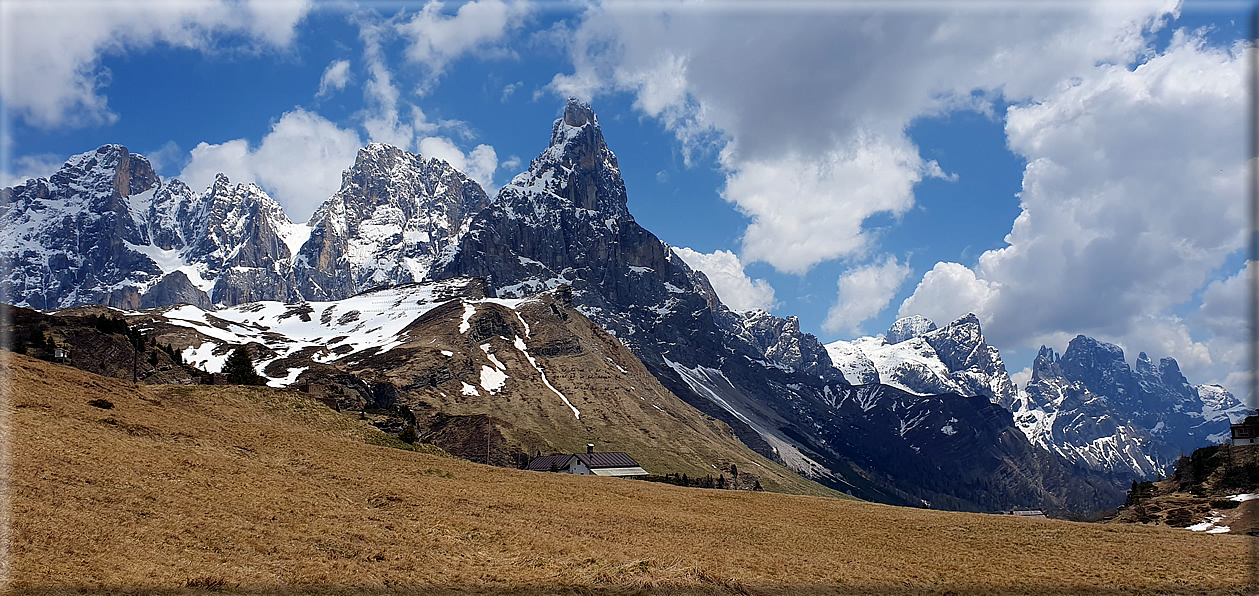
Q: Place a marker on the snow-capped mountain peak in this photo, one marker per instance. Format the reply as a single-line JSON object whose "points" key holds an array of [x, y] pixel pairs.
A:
{"points": [[917, 357], [1088, 405], [394, 216], [576, 169], [908, 327]]}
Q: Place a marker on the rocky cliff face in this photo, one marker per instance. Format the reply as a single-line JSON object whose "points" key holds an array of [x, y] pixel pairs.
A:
{"points": [[395, 214], [563, 225], [564, 222], [67, 239], [784, 345], [236, 239], [105, 229], [1089, 406], [908, 328], [919, 358]]}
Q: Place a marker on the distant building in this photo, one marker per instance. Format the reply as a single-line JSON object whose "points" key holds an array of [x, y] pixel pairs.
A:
{"points": [[61, 354], [1246, 432], [616, 463], [1028, 513]]}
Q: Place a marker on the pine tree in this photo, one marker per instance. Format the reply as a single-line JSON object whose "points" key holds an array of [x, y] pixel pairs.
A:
{"points": [[239, 368]]}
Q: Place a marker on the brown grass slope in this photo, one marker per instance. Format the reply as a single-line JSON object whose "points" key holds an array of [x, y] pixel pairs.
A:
{"points": [[440, 361], [622, 406], [247, 490], [1198, 490]]}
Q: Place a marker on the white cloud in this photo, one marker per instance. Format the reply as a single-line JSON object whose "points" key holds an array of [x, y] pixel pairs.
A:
{"points": [[334, 78], [821, 134], [1225, 304], [381, 118], [1225, 314], [806, 210], [30, 166], [165, 158], [299, 162], [948, 291], [510, 89], [478, 164], [52, 74], [435, 39], [1131, 196], [1022, 377], [732, 284], [864, 292]]}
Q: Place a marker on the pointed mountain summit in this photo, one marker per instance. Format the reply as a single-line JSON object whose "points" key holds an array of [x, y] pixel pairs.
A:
{"points": [[65, 239], [920, 358], [394, 216], [907, 328], [242, 244], [565, 222], [1091, 407]]}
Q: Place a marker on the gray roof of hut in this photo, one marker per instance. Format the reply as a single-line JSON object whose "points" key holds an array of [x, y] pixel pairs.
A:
{"points": [[594, 461]]}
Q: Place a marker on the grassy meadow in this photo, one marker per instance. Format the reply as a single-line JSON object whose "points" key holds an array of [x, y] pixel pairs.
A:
{"points": [[193, 490]]}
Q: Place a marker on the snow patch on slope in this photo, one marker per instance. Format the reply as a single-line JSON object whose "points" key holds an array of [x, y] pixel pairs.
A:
{"points": [[520, 345]]}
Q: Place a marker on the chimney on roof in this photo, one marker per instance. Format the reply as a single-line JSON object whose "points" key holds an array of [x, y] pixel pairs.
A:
{"points": [[590, 447]]}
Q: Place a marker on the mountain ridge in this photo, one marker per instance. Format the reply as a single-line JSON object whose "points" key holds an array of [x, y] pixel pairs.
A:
{"points": [[564, 223]]}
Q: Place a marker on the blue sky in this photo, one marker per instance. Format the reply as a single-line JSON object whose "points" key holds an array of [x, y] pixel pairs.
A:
{"points": [[1057, 168]]}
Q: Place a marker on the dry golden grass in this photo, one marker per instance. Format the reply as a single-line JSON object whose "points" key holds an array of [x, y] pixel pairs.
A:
{"points": [[232, 490]]}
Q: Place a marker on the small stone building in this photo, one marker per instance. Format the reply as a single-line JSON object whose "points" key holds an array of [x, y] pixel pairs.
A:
{"points": [[615, 463]]}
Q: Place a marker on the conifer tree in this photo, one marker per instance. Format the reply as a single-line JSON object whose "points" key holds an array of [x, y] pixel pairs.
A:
{"points": [[239, 369]]}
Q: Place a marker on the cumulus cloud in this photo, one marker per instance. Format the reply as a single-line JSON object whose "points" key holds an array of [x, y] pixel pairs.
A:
{"points": [[52, 74], [1131, 197], [1225, 314], [299, 162], [806, 210], [1022, 377], [1225, 304], [950, 290], [864, 292], [166, 158], [391, 119], [763, 86], [435, 39], [478, 164], [732, 284], [30, 166], [334, 78]]}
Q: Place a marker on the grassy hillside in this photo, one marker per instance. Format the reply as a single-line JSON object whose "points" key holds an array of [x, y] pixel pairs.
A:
{"points": [[1198, 491], [623, 407], [248, 490], [442, 368]]}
